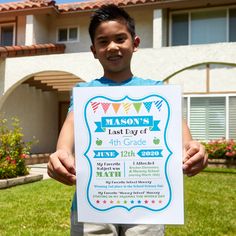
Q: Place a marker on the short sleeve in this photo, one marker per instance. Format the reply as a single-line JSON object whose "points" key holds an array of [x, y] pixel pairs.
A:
{"points": [[71, 107]]}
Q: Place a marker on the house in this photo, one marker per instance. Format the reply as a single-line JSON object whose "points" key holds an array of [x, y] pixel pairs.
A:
{"points": [[45, 50]]}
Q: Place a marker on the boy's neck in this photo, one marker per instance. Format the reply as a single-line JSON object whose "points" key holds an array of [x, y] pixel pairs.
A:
{"points": [[118, 77]]}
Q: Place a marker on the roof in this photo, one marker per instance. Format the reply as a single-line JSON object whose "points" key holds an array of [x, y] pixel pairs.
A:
{"points": [[69, 7], [94, 4], [89, 5], [28, 4], [32, 50]]}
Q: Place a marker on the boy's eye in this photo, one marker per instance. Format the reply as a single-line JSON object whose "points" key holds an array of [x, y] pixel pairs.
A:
{"points": [[102, 41], [120, 39]]}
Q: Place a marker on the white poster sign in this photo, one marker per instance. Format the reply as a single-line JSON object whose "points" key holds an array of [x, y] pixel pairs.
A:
{"points": [[128, 148]]}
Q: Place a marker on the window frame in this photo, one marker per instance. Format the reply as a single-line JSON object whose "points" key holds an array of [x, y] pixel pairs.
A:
{"points": [[13, 24], [189, 12], [227, 98], [68, 28]]}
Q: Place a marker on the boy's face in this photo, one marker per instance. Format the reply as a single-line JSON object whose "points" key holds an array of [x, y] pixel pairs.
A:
{"points": [[113, 47]]}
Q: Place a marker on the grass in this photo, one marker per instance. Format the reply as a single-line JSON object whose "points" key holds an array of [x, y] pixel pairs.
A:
{"points": [[42, 208], [210, 200]]}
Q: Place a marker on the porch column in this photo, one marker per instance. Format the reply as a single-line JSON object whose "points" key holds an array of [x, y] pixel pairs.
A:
{"points": [[157, 28], [29, 30]]}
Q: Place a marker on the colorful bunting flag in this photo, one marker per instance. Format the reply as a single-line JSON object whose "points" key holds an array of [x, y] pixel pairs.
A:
{"points": [[95, 106], [105, 106], [148, 106], [158, 104], [137, 106], [116, 107], [126, 107]]}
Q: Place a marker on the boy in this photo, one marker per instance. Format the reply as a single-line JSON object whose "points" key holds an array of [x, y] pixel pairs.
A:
{"points": [[113, 37]]}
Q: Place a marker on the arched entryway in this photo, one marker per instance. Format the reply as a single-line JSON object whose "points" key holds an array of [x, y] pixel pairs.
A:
{"points": [[41, 101]]}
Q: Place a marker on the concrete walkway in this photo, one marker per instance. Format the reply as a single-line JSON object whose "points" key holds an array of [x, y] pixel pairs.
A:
{"points": [[39, 169]]}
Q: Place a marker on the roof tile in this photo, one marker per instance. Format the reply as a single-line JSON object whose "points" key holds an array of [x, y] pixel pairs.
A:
{"points": [[93, 4], [26, 4], [69, 7], [32, 50]]}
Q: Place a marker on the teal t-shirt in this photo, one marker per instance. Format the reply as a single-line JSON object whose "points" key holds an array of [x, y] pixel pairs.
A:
{"points": [[101, 82]]}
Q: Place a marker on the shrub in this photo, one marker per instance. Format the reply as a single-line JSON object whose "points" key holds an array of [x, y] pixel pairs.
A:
{"points": [[13, 150], [221, 149]]}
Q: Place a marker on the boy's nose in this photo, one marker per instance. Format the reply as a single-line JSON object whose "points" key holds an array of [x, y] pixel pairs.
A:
{"points": [[112, 46]]}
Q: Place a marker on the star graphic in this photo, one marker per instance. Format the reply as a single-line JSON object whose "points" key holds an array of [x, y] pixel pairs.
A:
{"points": [[139, 201]]}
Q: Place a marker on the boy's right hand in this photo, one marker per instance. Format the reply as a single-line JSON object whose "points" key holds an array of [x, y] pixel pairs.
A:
{"points": [[61, 167]]}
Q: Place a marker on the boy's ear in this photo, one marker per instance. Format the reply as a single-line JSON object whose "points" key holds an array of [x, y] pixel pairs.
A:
{"points": [[136, 43], [93, 50]]}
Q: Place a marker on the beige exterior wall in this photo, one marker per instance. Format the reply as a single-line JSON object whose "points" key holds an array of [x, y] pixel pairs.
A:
{"points": [[41, 29], [193, 80], [222, 78], [159, 64], [144, 28], [81, 21], [21, 23], [38, 114], [2, 78], [144, 24]]}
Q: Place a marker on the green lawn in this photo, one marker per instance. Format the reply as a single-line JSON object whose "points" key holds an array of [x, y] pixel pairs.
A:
{"points": [[42, 208]]}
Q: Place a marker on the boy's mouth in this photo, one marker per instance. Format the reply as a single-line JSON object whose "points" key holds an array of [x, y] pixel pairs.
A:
{"points": [[114, 58]]}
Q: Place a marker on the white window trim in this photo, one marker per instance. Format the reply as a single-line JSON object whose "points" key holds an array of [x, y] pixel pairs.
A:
{"points": [[189, 12], [14, 31], [68, 27], [226, 96]]}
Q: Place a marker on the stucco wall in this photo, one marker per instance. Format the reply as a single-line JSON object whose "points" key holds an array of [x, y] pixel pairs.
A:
{"points": [[157, 64], [2, 77], [143, 18], [41, 29], [81, 21], [144, 24], [38, 114], [192, 80], [222, 78], [21, 21]]}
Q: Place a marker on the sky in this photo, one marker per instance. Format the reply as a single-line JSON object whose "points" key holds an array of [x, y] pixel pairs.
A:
{"points": [[57, 1]]}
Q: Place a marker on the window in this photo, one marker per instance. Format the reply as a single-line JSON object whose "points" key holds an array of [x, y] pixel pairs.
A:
{"points": [[208, 27], [180, 29], [68, 34], [209, 119], [232, 24], [232, 117], [7, 35], [202, 27]]}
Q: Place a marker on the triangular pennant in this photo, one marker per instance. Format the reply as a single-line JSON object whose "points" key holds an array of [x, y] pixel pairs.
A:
{"points": [[148, 105], [95, 106], [137, 106], [105, 106], [116, 106], [126, 107], [158, 104]]}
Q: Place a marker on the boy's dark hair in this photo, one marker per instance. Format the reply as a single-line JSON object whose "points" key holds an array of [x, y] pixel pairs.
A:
{"points": [[109, 13]]}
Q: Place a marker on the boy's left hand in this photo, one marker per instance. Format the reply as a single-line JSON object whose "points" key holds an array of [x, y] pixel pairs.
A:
{"points": [[195, 158]]}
